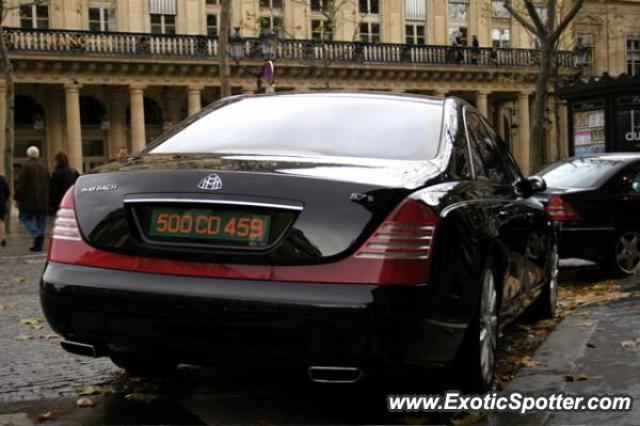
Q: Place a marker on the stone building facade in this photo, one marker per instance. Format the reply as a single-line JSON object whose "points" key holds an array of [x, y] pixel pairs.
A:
{"points": [[96, 75]]}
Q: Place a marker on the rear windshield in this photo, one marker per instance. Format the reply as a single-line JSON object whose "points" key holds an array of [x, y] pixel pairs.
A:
{"points": [[579, 173], [314, 125]]}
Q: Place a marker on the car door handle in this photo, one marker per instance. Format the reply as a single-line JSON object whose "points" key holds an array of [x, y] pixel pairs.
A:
{"points": [[503, 213], [531, 215]]}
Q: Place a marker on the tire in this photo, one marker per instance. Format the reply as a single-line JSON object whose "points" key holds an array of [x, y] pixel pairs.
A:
{"points": [[475, 364], [139, 365], [545, 306], [624, 253]]}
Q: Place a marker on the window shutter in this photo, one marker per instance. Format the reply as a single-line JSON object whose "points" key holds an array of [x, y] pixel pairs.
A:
{"points": [[162, 7]]}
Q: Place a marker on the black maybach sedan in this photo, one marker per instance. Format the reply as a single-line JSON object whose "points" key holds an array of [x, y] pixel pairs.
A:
{"points": [[349, 234]]}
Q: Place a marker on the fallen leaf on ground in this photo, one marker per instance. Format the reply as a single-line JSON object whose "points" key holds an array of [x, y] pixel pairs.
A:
{"points": [[8, 306], [23, 337], [631, 343], [142, 397], [47, 415], [586, 323], [85, 402], [92, 390], [576, 377], [50, 336], [527, 361], [35, 323], [18, 280]]}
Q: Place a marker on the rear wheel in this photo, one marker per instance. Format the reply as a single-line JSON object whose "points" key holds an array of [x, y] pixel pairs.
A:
{"points": [[625, 253], [143, 365], [477, 357], [545, 306]]}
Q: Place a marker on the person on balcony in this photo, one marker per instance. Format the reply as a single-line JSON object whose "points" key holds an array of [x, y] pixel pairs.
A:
{"points": [[32, 197]]}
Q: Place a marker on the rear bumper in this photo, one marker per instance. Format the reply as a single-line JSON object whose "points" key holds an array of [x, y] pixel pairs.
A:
{"points": [[585, 243], [201, 320]]}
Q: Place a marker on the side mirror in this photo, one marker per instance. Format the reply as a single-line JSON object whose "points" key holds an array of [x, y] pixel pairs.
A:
{"points": [[537, 184], [527, 187]]}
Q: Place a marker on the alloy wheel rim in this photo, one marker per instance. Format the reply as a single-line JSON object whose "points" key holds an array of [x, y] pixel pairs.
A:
{"points": [[488, 327], [628, 252]]}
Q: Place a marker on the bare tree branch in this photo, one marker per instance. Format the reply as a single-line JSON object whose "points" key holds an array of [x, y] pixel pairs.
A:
{"points": [[567, 19], [521, 19], [535, 17]]}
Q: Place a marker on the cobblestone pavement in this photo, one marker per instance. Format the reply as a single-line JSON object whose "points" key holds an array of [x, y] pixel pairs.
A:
{"points": [[32, 364]]}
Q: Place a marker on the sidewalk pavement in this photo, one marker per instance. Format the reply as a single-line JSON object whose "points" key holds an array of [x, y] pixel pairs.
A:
{"points": [[588, 343], [19, 242]]}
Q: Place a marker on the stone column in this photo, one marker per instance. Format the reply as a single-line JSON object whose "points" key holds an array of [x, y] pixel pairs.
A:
{"points": [[194, 99], [138, 137], [55, 129], [74, 129], [524, 127], [3, 140], [117, 122], [482, 103]]}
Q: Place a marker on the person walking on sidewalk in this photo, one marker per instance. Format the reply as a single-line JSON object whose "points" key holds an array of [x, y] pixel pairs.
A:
{"points": [[61, 179], [32, 197], [5, 196]]}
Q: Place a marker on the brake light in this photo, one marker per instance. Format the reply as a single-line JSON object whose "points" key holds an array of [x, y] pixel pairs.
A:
{"points": [[406, 234], [65, 225], [562, 211]]}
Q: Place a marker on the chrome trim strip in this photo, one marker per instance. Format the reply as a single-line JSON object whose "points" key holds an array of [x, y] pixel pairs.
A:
{"points": [[210, 201]]}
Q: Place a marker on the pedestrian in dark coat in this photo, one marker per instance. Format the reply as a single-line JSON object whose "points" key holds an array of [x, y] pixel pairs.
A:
{"points": [[32, 197], [5, 196], [61, 180]]}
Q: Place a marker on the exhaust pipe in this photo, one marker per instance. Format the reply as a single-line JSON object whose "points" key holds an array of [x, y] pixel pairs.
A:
{"points": [[83, 349], [336, 375]]}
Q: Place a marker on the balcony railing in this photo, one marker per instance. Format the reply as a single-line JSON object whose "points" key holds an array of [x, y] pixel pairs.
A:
{"points": [[190, 46]]}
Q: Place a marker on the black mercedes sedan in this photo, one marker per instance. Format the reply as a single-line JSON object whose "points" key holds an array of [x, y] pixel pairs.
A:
{"points": [[348, 234], [596, 201]]}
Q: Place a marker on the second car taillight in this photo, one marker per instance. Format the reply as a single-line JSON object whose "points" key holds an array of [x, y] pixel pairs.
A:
{"points": [[562, 211]]}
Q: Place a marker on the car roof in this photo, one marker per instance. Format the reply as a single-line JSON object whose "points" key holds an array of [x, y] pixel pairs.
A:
{"points": [[614, 156], [350, 94]]}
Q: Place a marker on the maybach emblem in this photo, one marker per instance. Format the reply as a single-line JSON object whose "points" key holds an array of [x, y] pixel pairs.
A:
{"points": [[211, 183]]}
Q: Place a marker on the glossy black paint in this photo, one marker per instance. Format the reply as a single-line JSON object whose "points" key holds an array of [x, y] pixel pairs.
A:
{"points": [[344, 200], [607, 208]]}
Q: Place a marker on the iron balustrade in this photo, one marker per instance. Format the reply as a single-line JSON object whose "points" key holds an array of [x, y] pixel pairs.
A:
{"points": [[196, 46]]}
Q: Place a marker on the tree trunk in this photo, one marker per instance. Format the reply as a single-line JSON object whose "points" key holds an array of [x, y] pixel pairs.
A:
{"points": [[7, 70], [223, 48], [537, 135]]}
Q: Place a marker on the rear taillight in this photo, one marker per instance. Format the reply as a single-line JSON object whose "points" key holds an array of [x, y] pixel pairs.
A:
{"points": [[562, 211], [65, 226], [406, 234]]}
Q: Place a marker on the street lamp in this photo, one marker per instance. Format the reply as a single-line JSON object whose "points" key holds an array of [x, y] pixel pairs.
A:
{"points": [[236, 47], [580, 54]]}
